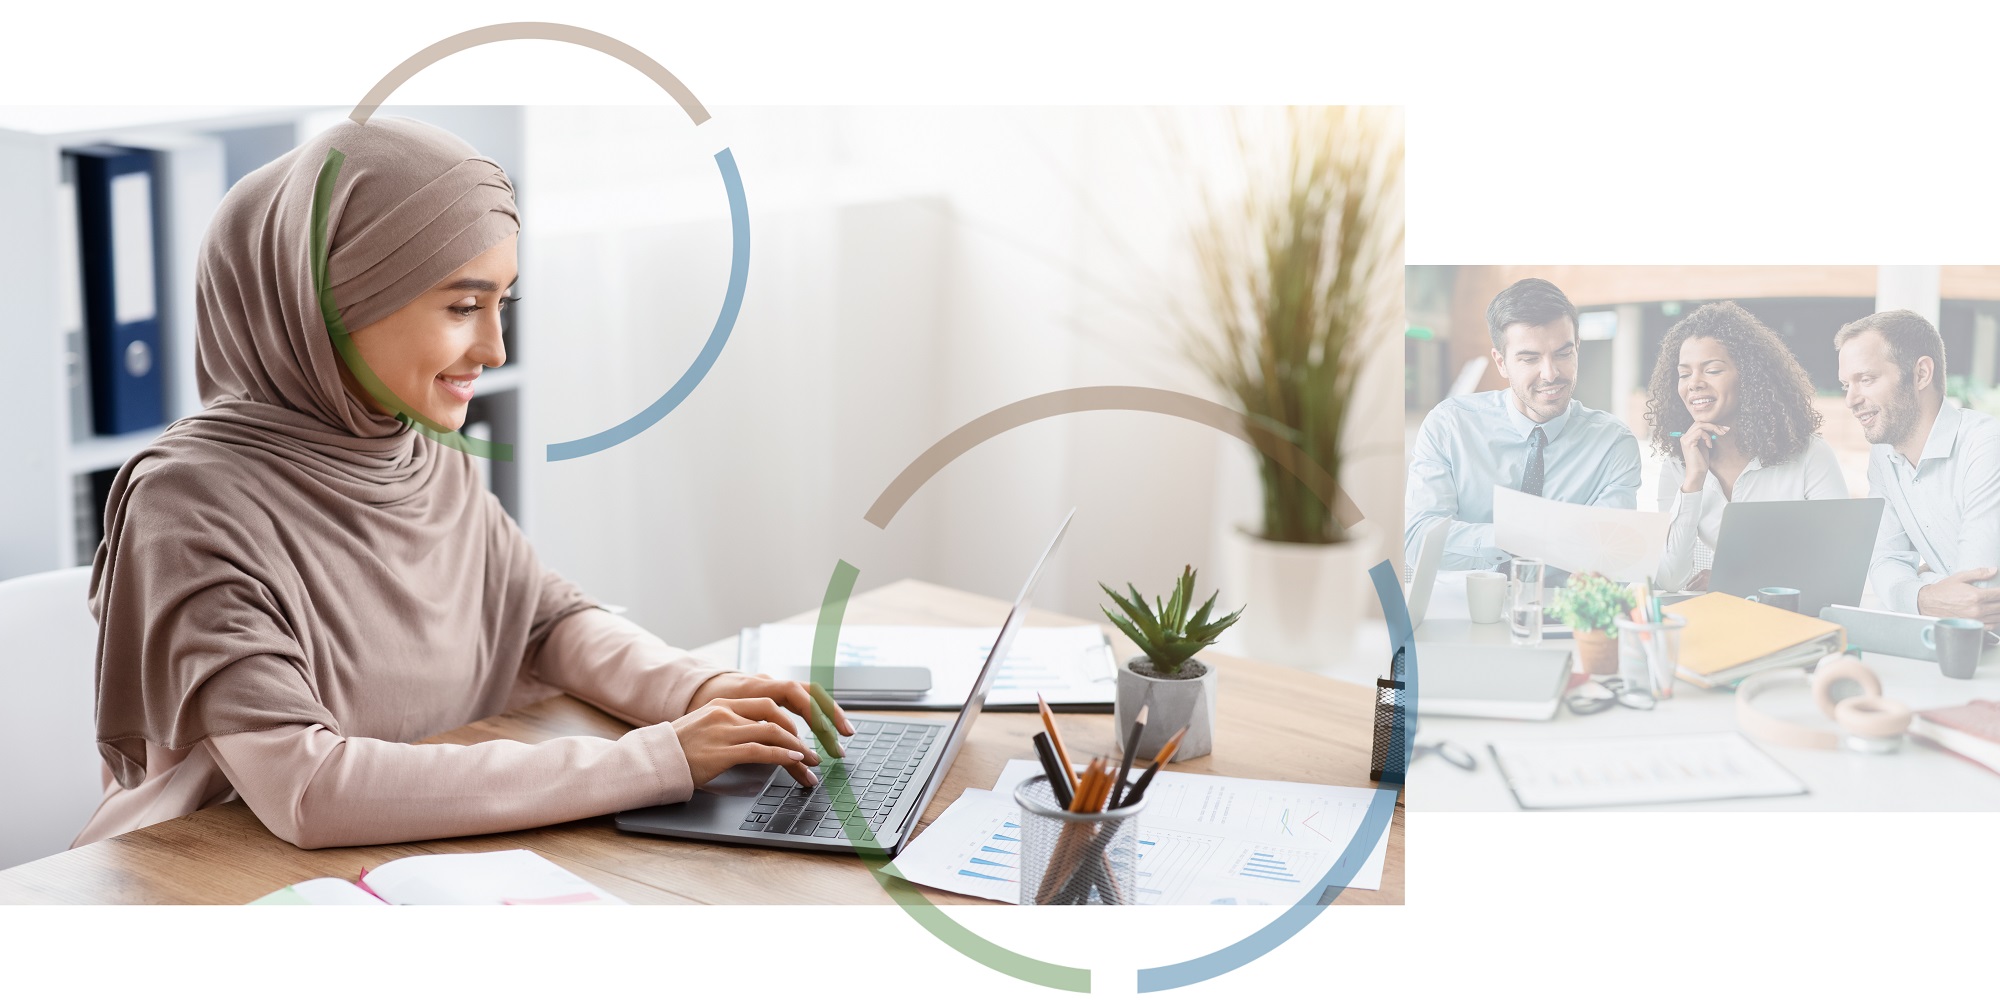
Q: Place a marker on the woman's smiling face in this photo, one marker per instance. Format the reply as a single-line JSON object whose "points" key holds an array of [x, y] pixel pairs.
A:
{"points": [[1708, 380], [429, 352]]}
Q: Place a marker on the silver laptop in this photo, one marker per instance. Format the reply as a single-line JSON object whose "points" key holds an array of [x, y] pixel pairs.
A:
{"points": [[1820, 548], [1423, 579], [892, 769], [1485, 681]]}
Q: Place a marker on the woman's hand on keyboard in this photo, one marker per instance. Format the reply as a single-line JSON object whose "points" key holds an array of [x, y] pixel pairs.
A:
{"points": [[807, 701], [726, 732]]}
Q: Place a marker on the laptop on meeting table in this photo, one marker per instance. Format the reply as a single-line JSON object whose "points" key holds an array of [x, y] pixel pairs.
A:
{"points": [[1821, 548], [893, 768]]}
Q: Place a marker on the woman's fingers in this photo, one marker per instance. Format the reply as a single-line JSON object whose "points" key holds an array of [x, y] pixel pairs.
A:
{"points": [[758, 753], [827, 705], [774, 734], [804, 700]]}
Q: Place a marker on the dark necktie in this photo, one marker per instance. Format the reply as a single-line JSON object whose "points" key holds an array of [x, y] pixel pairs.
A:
{"points": [[1531, 478]]}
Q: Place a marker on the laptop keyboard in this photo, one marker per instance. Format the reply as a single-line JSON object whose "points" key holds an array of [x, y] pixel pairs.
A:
{"points": [[883, 760]]}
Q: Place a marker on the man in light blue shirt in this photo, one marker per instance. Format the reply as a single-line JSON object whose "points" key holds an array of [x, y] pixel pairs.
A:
{"points": [[1937, 465], [1531, 436]]}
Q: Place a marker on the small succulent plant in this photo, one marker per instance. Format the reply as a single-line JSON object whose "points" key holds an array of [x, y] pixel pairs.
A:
{"points": [[1163, 632]]}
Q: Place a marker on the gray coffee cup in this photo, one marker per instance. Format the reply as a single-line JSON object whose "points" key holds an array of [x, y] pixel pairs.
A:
{"points": [[1784, 598], [1957, 642]]}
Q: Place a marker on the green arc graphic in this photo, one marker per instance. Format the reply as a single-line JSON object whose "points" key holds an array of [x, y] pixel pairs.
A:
{"points": [[826, 639]]}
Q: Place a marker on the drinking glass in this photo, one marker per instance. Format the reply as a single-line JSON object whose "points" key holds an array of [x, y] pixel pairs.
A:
{"points": [[1524, 603]]}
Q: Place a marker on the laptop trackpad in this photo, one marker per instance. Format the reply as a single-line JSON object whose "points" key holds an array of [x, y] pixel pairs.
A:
{"points": [[743, 779]]}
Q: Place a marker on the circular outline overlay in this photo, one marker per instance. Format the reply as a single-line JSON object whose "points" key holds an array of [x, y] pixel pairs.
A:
{"points": [[739, 257], [1375, 820]]}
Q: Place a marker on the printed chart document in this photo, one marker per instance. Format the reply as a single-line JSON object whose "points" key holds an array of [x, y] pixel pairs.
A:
{"points": [[1069, 666], [1624, 545], [513, 878], [1640, 770], [1202, 839]]}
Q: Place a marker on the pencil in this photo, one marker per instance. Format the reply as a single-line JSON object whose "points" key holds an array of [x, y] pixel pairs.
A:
{"points": [[1055, 878], [1055, 737], [1167, 753], [1131, 747]]}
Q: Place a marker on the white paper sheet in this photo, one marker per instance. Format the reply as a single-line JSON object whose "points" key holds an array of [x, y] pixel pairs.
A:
{"points": [[1640, 770], [1202, 840], [512, 877], [1071, 665], [1624, 545]]}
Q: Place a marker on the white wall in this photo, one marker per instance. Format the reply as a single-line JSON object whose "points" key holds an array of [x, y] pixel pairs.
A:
{"points": [[910, 269]]}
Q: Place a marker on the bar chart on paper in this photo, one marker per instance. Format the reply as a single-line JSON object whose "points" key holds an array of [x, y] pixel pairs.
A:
{"points": [[999, 858], [1201, 840]]}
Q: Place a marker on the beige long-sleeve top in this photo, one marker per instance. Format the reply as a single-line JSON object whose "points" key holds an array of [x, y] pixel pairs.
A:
{"points": [[316, 788]]}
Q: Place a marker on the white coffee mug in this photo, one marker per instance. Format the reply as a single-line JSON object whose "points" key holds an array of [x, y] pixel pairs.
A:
{"points": [[1485, 595]]}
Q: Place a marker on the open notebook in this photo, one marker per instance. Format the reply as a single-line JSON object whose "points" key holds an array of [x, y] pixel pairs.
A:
{"points": [[497, 877]]}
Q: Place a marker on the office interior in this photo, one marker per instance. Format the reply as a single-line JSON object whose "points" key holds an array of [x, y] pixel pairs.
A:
{"points": [[910, 269], [1624, 312]]}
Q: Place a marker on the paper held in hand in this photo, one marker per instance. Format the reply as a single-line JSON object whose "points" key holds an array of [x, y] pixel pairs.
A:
{"points": [[1624, 545]]}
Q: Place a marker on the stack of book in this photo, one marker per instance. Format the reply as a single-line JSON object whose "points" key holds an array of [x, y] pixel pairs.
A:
{"points": [[1728, 638]]}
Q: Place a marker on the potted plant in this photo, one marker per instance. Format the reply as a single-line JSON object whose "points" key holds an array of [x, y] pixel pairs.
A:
{"points": [[1165, 674], [1300, 279], [1591, 605]]}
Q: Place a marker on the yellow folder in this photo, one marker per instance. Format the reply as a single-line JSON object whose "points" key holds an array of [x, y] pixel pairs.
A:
{"points": [[1728, 638]]}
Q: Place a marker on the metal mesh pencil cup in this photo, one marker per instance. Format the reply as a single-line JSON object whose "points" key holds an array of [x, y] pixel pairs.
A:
{"points": [[1391, 757], [1076, 858]]}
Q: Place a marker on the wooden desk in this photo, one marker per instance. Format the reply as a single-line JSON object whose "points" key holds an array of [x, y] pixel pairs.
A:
{"points": [[1272, 723]]}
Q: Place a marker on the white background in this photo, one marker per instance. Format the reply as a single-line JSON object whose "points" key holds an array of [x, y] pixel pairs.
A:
{"points": [[1584, 133]]}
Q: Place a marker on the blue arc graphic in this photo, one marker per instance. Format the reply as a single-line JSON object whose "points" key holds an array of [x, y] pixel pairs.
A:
{"points": [[1381, 810], [732, 303]]}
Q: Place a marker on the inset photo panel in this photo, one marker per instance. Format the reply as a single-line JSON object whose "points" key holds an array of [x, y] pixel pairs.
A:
{"points": [[1704, 537]]}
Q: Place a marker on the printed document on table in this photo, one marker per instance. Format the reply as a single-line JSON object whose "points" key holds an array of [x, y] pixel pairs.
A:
{"points": [[1639, 770], [1201, 840], [1624, 545], [1068, 666]]}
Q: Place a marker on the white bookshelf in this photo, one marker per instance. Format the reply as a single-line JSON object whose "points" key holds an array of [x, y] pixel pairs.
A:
{"points": [[45, 497]]}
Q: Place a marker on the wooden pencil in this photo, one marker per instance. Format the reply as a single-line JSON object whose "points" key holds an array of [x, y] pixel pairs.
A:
{"points": [[1055, 737]]}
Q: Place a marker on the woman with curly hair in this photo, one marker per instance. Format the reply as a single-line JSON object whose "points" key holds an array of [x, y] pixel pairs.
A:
{"points": [[1732, 412]]}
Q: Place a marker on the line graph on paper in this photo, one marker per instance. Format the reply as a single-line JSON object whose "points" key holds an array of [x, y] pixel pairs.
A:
{"points": [[1298, 818], [1169, 861]]}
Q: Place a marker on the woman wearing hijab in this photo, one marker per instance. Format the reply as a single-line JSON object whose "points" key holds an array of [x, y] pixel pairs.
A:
{"points": [[1733, 412], [294, 583]]}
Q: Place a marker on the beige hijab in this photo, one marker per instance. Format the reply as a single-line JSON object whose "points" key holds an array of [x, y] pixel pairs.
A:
{"points": [[289, 554]]}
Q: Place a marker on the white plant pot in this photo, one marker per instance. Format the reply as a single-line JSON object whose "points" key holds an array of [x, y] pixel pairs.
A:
{"points": [[1175, 702], [1302, 603]]}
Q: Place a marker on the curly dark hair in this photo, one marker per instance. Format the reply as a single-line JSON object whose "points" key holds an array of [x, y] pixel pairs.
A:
{"points": [[1775, 418]]}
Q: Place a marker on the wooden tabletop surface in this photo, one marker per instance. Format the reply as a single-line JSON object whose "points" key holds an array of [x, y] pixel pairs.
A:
{"points": [[1271, 722]]}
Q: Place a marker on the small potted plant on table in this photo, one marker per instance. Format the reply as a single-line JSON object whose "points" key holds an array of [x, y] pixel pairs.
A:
{"points": [[1591, 605], [1165, 674]]}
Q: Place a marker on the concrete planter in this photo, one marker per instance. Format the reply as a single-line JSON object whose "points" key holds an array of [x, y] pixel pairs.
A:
{"points": [[1187, 701]]}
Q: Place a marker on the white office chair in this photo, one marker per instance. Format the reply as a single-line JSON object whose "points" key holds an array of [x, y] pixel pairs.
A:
{"points": [[49, 777]]}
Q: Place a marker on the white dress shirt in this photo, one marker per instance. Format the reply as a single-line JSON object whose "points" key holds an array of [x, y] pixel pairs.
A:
{"points": [[1943, 514], [1471, 443], [1697, 517]]}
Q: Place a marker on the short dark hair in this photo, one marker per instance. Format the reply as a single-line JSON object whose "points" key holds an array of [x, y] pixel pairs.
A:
{"points": [[1534, 301], [1910, 337]]}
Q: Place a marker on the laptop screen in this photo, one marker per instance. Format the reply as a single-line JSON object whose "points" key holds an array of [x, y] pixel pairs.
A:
{"points": [[976, 698]]}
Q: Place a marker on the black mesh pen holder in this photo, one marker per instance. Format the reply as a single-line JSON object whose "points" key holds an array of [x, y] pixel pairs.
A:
{"points": [[1390, 761]]}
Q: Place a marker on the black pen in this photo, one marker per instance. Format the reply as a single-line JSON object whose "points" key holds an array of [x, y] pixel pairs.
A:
{"points": [[1058, 782], [1131, 747]]}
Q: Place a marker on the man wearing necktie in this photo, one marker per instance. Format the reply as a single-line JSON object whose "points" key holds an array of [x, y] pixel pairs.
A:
{"points": [[1531, 436]]}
